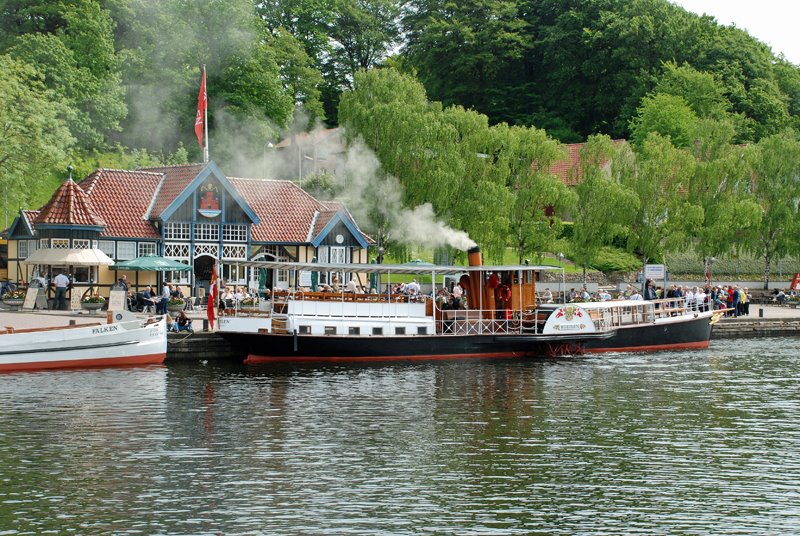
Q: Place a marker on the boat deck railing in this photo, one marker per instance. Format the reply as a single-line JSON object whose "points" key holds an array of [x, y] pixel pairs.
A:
{"points": [[606, 316]]}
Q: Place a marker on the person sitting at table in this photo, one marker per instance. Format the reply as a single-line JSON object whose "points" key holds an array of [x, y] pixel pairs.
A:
{"points": [[183, 322]]}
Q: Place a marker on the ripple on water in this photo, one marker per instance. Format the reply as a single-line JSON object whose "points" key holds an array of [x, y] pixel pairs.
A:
{"points": [[678, 442]]}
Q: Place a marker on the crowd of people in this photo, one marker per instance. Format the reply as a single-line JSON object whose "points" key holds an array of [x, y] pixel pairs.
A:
{"points": [[698, 298]]}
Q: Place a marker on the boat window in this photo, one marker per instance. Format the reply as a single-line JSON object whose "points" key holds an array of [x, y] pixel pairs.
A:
{"points": [[399, 331], [330, 330], [422, 330], [377, 331], [354, 330], [306, 330]]}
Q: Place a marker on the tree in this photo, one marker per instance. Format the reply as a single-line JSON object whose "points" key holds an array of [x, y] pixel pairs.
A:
{"points": [[659, 174], [469, 53], [604, 207], [721, 184], [34, 137], [667, 115], [251, 96], [704, 94], [776, 180], [72, 44]]}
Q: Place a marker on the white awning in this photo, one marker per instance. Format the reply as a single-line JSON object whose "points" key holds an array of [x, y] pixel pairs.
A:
{"points": [[69, 257]]}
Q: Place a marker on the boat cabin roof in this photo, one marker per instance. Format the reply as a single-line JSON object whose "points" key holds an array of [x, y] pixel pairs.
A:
{"points": [[408, 268], [601, 304]]}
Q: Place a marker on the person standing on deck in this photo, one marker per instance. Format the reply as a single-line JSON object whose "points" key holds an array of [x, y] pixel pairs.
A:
{"points": [[649, 291]]}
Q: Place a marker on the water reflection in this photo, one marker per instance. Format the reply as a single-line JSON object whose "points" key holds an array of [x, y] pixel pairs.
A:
{"points": [[696, 442]]}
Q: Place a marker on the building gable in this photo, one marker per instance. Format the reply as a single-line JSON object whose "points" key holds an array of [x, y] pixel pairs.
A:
{"points": [[208, 203], [337, 229]]}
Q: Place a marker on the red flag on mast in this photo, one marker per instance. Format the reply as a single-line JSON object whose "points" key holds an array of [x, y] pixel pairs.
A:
{"points": [[202, 105], [211, 306]]}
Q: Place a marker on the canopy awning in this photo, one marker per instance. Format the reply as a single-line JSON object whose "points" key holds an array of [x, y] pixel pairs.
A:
{"points": [[69, 257], [151, 263]]}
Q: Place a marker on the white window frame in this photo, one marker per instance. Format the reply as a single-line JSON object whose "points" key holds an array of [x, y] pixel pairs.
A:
{"points": [[81, 243], [206, 232], [126, 251], [108, 247], [22, 249], [234, 233], [177, 231], [44, 243], [59, 243], [147, 248]]}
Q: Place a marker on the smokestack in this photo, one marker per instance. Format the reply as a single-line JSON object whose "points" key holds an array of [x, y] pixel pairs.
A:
{"points": [[475, 278]]}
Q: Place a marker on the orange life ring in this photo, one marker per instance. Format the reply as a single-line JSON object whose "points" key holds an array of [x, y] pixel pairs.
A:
{"points": [[504, 293]]}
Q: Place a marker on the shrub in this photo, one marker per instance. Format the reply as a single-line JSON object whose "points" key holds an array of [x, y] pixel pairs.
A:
{"points": [[176, 301], [93, 298], [610, 259]]}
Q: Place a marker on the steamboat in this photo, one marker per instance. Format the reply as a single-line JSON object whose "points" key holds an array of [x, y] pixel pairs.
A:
{"points": [[500, 317]]}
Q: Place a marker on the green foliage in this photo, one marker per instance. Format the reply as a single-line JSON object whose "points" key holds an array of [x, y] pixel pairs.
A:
{"points": [[609, 259], [492, 182], [667, 115], [666, 217], [776, 167], [35, 138], [72, 44], [604, 209]]}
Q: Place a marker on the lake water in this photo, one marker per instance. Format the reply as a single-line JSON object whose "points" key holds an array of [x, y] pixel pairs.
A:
{"points": [[701, 442]]}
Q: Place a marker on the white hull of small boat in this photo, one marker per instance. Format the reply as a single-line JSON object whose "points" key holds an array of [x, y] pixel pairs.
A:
{"points": [[128, 342]]}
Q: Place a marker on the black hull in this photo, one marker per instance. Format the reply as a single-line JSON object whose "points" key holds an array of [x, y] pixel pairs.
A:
{"points": [[690, 333], [262, 347]]}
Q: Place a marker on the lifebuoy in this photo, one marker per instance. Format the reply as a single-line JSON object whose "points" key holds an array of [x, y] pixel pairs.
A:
{"points": [[493, 281], [504, 293]]}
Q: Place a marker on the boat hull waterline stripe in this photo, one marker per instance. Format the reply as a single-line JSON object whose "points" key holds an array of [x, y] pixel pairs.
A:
{"points": [[147, 359]]}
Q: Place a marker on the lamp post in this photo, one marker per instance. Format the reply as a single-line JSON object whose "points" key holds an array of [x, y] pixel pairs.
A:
{"points": [[563, 286], [267, 146], [711, 261]]}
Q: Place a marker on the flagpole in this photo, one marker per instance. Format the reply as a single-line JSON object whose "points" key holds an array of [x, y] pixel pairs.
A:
{"points": [[205, 121]]}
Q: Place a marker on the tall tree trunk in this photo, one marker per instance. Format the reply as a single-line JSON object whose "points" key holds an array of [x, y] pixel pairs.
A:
{"points": [[767, 261], [584, 274]]}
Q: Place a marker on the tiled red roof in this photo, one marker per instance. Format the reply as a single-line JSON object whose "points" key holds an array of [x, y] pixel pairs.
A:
{"points": [[176, 179], [286, 211], [31, 216], [569, 169], [122, 198], [69, 206], [336, 206], [322, 220]]}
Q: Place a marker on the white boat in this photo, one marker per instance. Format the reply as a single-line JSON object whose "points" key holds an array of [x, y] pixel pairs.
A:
{"points": [[503, 319], [126, 340]]}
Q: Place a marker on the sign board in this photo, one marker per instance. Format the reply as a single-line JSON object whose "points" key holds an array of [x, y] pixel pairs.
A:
{"points": [[305, 278], [74, 300], [30, 298], [116, 300], [41, 299], [654, 271]]}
